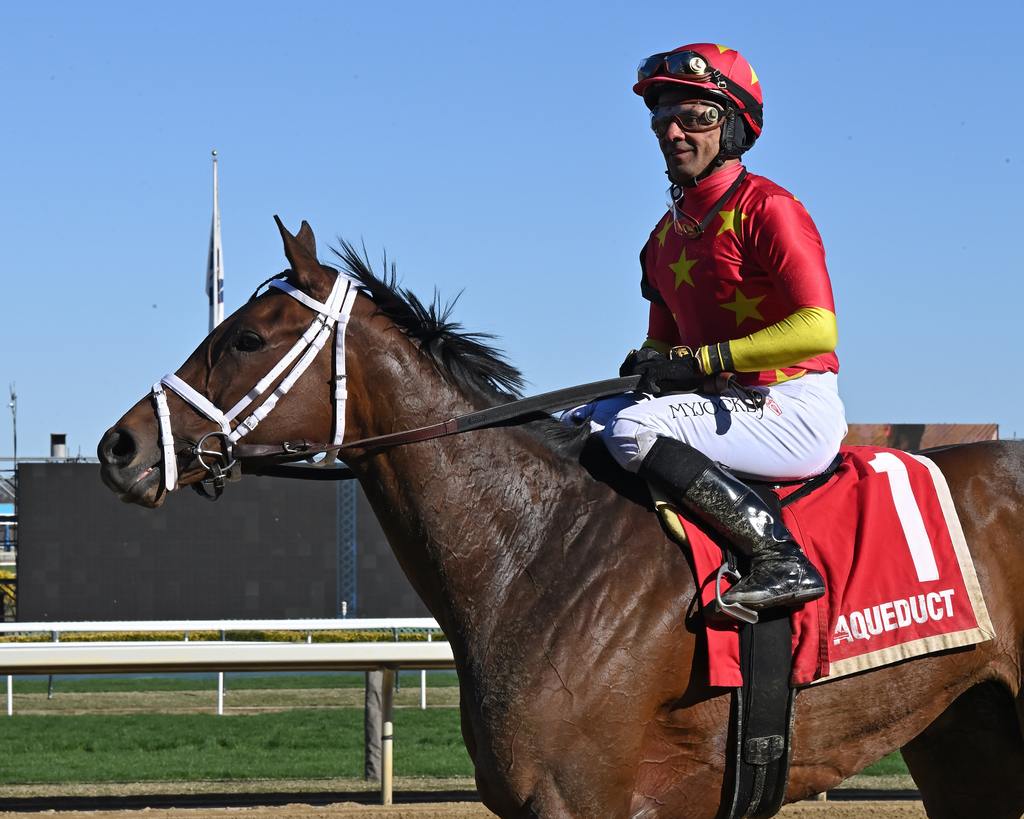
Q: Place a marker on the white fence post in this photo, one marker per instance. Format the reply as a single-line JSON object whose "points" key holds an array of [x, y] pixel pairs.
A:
{"points": [[423, 679], [10, 695], [220, 693], [387, 739]]}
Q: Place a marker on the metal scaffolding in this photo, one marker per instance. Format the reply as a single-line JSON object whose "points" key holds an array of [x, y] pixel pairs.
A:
{"points": [[348, 586]]}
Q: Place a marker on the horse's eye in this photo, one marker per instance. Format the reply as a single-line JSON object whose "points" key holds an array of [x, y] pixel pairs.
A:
{"points": [[248, 342]]}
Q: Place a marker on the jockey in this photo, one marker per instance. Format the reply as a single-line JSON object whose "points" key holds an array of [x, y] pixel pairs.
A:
{"points": [[736, 278]]}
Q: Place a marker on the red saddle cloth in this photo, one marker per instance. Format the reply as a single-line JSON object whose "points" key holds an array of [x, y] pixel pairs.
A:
{"points": [[900, 579]]}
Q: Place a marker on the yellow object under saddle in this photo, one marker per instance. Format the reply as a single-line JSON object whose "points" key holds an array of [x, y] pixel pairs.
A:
{"points": [[668, 513]]}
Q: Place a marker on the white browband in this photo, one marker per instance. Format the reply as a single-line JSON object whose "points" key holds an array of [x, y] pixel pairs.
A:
{"points": [[330, 315]]}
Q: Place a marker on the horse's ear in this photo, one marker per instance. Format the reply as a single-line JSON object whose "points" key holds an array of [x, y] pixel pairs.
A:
{"points": [[305, 235], [301, 253], [301, 249]]}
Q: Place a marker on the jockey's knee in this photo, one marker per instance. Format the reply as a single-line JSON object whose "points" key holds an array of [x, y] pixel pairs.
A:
{"points": [[628, 442]]}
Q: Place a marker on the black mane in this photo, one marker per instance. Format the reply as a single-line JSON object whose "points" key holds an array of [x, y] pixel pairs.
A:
{"points": [[467, 359]]}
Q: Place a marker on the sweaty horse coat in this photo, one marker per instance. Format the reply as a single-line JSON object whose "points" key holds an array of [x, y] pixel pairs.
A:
{"points": [[563, 599]]}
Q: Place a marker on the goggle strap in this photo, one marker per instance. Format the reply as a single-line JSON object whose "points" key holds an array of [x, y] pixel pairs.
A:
{"points": [[748, 103]]}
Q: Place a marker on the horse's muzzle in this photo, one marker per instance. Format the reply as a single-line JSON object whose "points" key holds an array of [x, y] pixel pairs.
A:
{"points": [[126, 471]]}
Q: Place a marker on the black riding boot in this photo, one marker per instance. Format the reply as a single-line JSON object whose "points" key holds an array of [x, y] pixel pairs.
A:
{"points": [[780, 574]]}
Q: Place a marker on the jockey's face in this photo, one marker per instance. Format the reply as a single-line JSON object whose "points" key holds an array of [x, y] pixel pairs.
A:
{"points": [[686, 153]]}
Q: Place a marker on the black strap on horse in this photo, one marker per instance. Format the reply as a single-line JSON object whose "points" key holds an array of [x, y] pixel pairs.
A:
{"points": [[763, 709], [521, 411]]}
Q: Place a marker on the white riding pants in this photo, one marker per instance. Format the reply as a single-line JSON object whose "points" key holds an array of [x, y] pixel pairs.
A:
{"points": [[795, 435]]}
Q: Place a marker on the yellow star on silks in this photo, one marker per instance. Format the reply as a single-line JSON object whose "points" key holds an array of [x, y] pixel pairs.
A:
{"points": [[682, 269], [744, 308], [729, 220], [661, 234], [782, 378]]}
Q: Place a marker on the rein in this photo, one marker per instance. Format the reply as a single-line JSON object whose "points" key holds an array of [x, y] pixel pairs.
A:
{"points": [[331, 316], [517, 412]]}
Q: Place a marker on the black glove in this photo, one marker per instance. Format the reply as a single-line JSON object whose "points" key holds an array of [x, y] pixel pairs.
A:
{"points": [[636, 358], [677, 372]]}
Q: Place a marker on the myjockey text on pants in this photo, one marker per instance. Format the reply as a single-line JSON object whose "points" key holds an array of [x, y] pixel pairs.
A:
{"points": [[870, 622]]}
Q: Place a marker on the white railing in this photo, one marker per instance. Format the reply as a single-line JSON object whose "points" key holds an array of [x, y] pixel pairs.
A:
{"points": [[309, 624], [57, 657]]}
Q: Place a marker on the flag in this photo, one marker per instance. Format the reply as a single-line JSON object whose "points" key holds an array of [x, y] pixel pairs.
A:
{"points": [[215, 261]]}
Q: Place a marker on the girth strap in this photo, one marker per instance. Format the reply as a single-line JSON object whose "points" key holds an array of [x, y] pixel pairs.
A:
{"points": [[762, 711]]}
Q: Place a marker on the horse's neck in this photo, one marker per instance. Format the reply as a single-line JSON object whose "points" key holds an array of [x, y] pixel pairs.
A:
{"points": [[464, 514]]}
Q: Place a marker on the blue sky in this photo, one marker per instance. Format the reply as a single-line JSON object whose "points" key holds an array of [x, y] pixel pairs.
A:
{"points": [[495, 149]]}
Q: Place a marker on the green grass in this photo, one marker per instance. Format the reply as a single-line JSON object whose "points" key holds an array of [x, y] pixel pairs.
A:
{"points": [[296, 744], [289, 745], [892, 764], [310, 744], [237, 682]]}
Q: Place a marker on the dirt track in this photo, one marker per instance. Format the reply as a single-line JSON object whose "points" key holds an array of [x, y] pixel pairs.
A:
{"points": [[805, 810]]}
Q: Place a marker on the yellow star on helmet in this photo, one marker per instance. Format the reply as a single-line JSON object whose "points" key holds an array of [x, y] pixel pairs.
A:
{"points": [[661, 234], [682, 269], [729, 220], [753, 76], [722, 49], [744, 307]]}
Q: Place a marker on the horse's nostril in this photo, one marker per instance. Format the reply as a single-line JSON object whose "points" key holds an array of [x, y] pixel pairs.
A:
{"points": [[118, 447]]}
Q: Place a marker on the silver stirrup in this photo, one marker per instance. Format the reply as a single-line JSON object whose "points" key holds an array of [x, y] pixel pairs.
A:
{"points": [[737, 611]]}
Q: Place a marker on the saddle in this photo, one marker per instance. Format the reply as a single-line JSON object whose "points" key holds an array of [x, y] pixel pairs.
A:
{"points": [[900, 583]]}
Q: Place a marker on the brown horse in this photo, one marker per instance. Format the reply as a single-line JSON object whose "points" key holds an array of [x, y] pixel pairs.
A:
{"points": [[582, 692]]}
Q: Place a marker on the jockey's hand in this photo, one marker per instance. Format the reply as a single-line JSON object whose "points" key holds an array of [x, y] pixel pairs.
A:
{"points": [[636, 358], [677, 372]]}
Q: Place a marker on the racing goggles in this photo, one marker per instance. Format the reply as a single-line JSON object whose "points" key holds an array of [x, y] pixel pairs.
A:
{"points": [[679, 64], [693, 117]]}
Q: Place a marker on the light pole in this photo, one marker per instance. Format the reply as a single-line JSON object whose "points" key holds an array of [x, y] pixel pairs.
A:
{"points": [[14, 417]]}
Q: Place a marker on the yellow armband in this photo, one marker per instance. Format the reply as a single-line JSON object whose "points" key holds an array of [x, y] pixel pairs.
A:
{"points": [[808, 332]]}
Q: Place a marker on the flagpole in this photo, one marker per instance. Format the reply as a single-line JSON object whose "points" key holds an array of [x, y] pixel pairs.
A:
{"points": [[215, 260]]}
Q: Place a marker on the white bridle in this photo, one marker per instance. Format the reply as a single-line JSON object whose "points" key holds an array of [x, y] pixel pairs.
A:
{"points": [[333, 312]]}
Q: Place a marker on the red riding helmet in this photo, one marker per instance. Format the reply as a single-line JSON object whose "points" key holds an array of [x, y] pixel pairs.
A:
{"points": [[721, 74]]}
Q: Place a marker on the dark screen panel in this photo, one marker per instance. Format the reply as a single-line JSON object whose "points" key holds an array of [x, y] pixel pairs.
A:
{"points": [[382, 588], [267, 548]]}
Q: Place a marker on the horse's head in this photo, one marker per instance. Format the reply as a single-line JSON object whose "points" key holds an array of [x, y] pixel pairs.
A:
{"points": [[278, 352]]}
